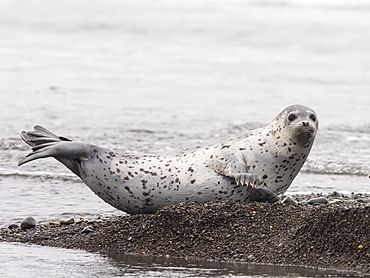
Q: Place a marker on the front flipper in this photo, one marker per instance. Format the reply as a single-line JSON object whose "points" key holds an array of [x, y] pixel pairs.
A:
{"points": [[238, 171], [233, 168], [260, 194]]}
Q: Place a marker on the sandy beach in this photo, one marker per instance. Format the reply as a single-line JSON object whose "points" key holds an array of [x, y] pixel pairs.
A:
{"points": [[334, 235]]}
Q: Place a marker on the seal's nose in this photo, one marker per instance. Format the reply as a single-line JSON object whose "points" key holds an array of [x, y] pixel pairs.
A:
{"points": [[305, 123]]}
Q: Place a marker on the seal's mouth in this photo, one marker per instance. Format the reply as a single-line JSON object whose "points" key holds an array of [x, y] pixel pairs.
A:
{"points": [[305, 135], [305, 132]]}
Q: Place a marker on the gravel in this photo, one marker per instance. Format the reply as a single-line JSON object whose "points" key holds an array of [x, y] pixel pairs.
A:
{"points": [[334, 235]]}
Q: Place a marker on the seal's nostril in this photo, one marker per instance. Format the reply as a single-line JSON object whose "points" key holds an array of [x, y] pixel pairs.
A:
{"points": [[305, 123]]}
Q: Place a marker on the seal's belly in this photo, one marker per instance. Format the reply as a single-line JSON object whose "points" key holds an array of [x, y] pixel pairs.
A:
{"points": [[143, 185]]}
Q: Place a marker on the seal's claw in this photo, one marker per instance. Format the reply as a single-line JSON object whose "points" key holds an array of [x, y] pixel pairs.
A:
{"points": [[247, 179]]}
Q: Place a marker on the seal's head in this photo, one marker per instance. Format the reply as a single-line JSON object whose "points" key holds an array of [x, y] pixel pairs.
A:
{"points": [[297, 122]]}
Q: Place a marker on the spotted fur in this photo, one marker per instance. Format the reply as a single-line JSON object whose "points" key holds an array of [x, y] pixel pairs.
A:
{"points": [[254, 165]]}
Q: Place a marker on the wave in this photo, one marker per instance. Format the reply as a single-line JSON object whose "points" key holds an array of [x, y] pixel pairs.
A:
{"points": [[364, 128], [333, 4], [37, 174], [12, 144], [335, 168]]}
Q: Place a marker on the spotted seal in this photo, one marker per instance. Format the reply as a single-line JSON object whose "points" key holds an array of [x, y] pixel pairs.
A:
{"points": [[251, 166]]}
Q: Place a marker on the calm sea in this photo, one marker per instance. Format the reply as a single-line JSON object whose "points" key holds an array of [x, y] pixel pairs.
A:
{"points": [[156, 76]]}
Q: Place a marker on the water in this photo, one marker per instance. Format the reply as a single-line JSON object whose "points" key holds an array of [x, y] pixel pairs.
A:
{"points": [[76, 263], [155, 76]]}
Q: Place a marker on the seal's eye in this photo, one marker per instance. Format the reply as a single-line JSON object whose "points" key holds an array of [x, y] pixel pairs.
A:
{"points": [[292, 117], [313, 118]]}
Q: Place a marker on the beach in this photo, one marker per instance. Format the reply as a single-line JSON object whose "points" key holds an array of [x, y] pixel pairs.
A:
{"points": [[330, 236], [155, 77]]}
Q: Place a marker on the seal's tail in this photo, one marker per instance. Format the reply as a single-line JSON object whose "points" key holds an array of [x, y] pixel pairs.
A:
{"points": [[46, 144]]}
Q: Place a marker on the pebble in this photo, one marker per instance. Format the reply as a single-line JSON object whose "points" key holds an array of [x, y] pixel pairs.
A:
{"points": [[92, 221], [79, 221], [88, 229], [28, 223], [13, 226], [318, 201], [336, 194], [67, 222], [288, 200]]}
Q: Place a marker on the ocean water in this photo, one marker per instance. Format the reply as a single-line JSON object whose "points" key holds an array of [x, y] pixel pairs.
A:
{"points": [[156, 76]]}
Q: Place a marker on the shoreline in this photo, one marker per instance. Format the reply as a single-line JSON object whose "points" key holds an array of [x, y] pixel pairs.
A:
{"points": [[331, 236]]}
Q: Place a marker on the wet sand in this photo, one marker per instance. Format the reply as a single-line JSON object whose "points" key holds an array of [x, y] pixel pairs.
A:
{"points": [[334, 235]]}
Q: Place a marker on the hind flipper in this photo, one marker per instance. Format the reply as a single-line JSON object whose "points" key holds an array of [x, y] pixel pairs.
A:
{"points": [[40, 135], [40, 151], [66, 150], [46, 144], [47, 133]]}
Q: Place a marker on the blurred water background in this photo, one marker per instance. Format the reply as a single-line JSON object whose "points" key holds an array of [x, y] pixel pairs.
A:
{"points": [[156, 76]]}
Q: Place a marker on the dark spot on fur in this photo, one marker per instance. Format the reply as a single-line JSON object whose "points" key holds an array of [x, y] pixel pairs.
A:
{"points": [[128, 189]]}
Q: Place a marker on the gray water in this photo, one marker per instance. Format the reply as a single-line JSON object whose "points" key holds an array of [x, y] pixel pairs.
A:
{"points": [[156, 76], [45, 262]]}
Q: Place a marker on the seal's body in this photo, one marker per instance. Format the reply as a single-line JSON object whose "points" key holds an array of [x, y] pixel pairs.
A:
{"points": [[252, 166]]}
